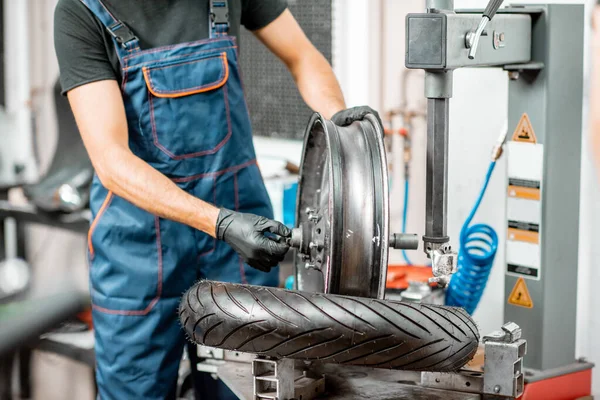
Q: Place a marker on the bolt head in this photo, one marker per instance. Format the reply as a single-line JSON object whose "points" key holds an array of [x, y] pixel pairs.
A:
{"points": [[314, 217], [497, 389], [315, 245]]}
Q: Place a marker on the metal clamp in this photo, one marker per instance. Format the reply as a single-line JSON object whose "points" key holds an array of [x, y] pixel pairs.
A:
{"points": [[503, 368], [443, 263], [279, 380]]}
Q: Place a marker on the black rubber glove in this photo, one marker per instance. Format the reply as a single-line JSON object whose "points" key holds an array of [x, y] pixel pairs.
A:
{"points": [[348, 116], [245, 233]]}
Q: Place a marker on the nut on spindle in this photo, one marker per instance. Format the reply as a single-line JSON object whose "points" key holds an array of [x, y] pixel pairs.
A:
{"points": [[310, 266], [315, 245]]}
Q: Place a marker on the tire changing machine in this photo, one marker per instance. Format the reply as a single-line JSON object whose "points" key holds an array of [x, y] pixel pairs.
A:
{"points": [[342, 237]]}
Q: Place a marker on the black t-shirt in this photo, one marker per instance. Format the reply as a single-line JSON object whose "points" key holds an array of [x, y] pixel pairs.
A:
{"points": [[86, 51]]}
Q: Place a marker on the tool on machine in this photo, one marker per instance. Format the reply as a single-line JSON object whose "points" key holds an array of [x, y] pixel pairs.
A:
{"points": [[439, 62]]}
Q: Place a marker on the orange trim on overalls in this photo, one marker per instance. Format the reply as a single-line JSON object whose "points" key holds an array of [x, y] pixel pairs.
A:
{"points": [[214, 86], [105, 204]]}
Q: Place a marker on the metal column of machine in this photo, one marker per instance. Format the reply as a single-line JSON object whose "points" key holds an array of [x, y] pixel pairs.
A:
{"points": [[549, 92]]}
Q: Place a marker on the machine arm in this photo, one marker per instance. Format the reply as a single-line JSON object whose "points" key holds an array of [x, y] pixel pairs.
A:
{"points": [[440, 41]]}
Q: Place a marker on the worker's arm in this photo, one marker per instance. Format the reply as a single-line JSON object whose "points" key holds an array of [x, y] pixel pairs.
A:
{"points": [[100, 115], [311, 71]]}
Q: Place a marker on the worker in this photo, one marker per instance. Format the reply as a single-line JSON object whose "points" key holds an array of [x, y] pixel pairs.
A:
{"points": [[157, 94]]}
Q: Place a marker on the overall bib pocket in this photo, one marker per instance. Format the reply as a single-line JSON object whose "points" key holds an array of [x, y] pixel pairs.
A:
{"points": [[189, 106]]}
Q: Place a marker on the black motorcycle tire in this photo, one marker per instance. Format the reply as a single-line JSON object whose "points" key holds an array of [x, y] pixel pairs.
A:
{"points": [[328, 328]]}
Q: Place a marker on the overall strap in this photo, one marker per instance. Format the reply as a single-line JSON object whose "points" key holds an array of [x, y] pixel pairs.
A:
{"points": [[218, 18], [125, 40]]}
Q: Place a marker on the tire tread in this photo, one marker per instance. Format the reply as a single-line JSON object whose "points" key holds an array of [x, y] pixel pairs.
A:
{"points": [[328, 328]]}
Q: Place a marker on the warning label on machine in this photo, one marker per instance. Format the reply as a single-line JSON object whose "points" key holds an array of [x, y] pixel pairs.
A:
{"points": [[520, 295], [523, 205]]}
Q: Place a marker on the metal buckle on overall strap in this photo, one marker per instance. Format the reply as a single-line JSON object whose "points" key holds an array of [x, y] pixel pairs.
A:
{"points": [[122, 34], [219, 14]]}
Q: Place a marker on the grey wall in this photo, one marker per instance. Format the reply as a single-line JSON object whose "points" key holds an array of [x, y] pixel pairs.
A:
{"points": [[276, 108]]}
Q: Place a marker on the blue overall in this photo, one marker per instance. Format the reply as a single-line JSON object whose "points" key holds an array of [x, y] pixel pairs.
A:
{"points": [[187, 117]]}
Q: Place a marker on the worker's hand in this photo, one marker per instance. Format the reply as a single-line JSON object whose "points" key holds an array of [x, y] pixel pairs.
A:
{"points": [[348, 116], [246, 234]]}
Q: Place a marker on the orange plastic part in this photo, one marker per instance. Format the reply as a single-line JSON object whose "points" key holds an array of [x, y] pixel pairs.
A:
{"points": [[86, 317], [398, 276]]}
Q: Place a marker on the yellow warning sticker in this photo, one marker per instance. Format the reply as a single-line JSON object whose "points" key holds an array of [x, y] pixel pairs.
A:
{"points": [[524, 132], [520, 295]]}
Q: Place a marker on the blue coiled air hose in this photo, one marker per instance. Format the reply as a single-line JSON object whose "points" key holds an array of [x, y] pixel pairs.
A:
{"points": [[404, 215], [478, 246]]}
